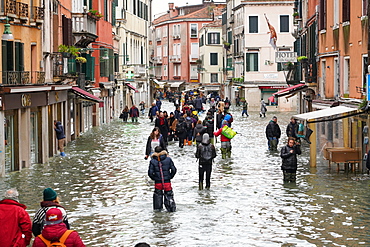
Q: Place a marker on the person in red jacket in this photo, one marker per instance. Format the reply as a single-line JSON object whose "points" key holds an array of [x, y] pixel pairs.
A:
{"points": [[54, 230], [225, 142], [16, 227]]}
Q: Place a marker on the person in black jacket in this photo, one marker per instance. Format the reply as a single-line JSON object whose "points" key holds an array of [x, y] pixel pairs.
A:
{"points": [[162, 170], [289, 155], [292, 128], [155, 139], [206, 152], [210, 128], [59, 130], [273, 134], [181, 131], [198, 132]]}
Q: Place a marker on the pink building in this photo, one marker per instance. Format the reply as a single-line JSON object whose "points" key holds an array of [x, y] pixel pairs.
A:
{"points": [[176, 41]]}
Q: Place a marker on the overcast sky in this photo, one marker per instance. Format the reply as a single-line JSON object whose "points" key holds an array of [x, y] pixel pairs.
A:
{"points": [[161, 6]]}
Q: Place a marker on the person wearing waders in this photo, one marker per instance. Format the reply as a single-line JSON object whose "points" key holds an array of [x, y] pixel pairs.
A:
{"points": [[181, 131], [225, 142], [289, 155], [206, 152], [162, 170], [273, 134]]}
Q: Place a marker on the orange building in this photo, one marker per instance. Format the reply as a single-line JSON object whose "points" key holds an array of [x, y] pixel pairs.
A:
{"points": [[342, 49]]}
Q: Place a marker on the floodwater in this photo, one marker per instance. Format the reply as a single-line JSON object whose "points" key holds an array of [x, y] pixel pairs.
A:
{"points": [[104, 186]]}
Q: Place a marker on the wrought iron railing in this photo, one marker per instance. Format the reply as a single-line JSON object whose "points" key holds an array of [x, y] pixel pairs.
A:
{"points": [[22, 77], [38, 13]]}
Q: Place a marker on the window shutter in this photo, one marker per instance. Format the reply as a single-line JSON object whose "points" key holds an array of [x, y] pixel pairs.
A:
{"points": [[4, 53], [69, 28], [113, 14], [255, 60], [346, 10], [217, 38], [322, 13], [247, 66], [16, 50], [10, 55], [209, 39], [230, 37]]}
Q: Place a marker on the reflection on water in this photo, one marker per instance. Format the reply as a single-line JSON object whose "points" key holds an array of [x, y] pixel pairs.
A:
{"points": [[103, 184]]}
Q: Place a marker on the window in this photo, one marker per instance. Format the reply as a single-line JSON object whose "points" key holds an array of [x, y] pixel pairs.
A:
{"points": [[194, 30], [165, 31], [253, 24], [322, 79], [214, 78], [336, 14], [364, 7], [194, 50], [214, 59], [159, 51], [158, 33], [284, 23], [165, 70], [165, 49], [230, 37], [201, 40], [346, 10], [346, 84], [251, 61], [229, 63], [322, 15], [176, 49], [213, 38], [193, 72], [176, 31], [176, 69]]}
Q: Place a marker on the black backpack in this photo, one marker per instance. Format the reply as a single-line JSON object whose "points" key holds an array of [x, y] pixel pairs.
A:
{"points": [[180, 128], [206, 153], [189, 124]]}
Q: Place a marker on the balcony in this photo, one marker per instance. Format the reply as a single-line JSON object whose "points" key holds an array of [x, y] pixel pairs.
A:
{"points": [[176, 36], [22, 11], [84, 29], [37, 14], [139, 70], [175, 58], [157, 59], [22, 77], [11, 8]]}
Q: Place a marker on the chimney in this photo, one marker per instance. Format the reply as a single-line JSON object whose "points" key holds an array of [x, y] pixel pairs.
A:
{"points": [[170, 6]]}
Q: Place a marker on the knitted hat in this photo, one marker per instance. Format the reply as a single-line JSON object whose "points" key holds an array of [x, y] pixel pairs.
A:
{"points": [[158, 149], [49, 194], [53, 216]]}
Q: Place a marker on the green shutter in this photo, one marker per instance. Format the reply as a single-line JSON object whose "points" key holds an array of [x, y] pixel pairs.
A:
{"points": [[214, 58], [255, 59], [71, 66], [280, 67], [110, 62], [16, 50], [230, 37], [113, 14], [10, 56], [4, 57], [209, 39], [218, 40]]}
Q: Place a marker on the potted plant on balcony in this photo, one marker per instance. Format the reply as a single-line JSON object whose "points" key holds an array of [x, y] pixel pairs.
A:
{"points": [[95, 14], [296, 15], [302, 59], [64, 50], [74, 50], [226, 45], [81, 60]]}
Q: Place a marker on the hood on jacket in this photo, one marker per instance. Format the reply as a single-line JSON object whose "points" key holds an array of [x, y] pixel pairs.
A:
{"points": [[205, 139], [54, 232], [13, 202], [162, 155], [181, 119], [57, 124], [199, 126]]}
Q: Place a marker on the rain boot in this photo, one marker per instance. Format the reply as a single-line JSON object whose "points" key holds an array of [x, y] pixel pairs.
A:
{"points": [[185, 141], [223, 152], [189, 143], [62, 154], [158, 200], [169, 201], [228, 153], [200, 185]]}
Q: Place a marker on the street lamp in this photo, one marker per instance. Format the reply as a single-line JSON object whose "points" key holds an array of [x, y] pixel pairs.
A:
{"points": [[7, 34]]}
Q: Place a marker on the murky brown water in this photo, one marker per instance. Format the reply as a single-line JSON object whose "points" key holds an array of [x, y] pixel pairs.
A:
{"points": [[104, 185]]}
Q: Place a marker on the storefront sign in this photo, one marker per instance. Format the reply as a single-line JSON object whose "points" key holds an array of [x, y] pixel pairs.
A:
{"points": [[17, 101], [285, 57], [26, 100], [270, 76], [272, 87]]}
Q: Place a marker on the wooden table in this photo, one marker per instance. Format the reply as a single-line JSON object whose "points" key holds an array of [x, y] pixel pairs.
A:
{"points": [[348, 156]]}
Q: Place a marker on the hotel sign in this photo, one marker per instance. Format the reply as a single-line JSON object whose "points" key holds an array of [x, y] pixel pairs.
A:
{"points": [[285, 57]]}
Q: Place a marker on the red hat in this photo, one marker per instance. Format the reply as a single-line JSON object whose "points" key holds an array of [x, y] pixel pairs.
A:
{"points": [[53, 216]]}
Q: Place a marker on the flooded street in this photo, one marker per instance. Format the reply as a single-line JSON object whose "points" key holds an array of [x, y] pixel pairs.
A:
{"points": [[104, 186]]}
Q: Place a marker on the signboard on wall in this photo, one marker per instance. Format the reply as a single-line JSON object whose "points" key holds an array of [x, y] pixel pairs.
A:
{"points": [[285, 57]]}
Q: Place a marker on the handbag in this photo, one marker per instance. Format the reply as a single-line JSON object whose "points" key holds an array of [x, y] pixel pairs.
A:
{"points": [[121, 115]]}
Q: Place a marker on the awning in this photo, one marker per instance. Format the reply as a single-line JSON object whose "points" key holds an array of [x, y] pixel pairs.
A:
{"points": [[290, 90], [160, 84], [131, 87], [87, 96], [333, 112], [175, 84]]}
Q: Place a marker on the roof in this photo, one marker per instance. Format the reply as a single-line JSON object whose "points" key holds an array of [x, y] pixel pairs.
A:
{"points": [[203, 13], [329, 112], [217, 23]]}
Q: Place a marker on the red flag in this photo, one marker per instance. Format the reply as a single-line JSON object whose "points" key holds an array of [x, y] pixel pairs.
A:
{"points": [[273, 36]]}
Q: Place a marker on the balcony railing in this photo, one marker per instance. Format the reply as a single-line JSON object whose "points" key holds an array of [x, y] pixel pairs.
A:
{"points": [[158, 59], [22, 10], [193, 57], [84, 29], [175, 58], [11, 8], [38, 14], [139, 70], [22, 77]]}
